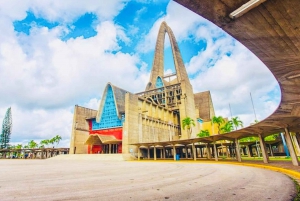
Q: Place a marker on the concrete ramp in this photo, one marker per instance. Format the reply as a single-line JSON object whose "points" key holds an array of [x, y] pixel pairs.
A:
{"points": [[98, 157]]}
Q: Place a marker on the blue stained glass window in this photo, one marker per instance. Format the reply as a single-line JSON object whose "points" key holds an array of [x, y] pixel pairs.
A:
{"points": [[109, 117], [159, 83]]}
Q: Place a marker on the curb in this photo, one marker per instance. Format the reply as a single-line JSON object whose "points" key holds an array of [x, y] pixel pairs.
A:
{"points": [[291, 173]]}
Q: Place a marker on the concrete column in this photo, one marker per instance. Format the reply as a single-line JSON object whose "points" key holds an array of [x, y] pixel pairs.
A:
{"points": [[139, 153], [154, 149], [148, 152], [174, 152], [249, 151], [271, 151], [295, 142], [109, 147], [164, 152], [201, 153], [215, 150], [194, 151], [244, 151], [263, 149], [227, 151], [238, 153], [208, 151], [186, 151], [290, 146]]}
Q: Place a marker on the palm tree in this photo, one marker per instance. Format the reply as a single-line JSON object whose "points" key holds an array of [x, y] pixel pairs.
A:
{"points": [[32, 144], [203, 133], [52, 141], [228, 127], [57, 139], [218, 120], [188, 122], [19, 146], [44, 143], [236, 122]]}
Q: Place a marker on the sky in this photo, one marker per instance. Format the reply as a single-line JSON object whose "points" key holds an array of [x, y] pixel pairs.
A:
{"points": [[56, 54]]}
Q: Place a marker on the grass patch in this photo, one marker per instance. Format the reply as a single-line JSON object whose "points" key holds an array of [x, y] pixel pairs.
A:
{"points": [[270, 158], [297, 197]]}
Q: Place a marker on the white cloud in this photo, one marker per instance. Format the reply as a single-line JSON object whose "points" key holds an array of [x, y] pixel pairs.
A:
{"points": [[181, 21], [43, 67], [231, 80], [92, 104], [64, 11], [38, 124], [43, 77]]}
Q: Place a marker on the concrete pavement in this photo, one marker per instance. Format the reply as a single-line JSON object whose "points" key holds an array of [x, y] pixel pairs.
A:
{"points": [[121, 180]]}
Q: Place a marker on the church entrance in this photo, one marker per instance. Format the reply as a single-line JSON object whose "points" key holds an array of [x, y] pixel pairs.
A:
{"points": [[103, 144]]}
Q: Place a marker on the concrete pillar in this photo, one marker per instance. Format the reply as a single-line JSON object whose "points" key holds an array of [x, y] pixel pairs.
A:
{"points": [[227, 151], [290, 146], [109, 148], [148, 154], [208, 151], [249, 151], [154, 149], [139, 153], [271, 151], [295, 142], [238, 152], [244, 151], [164, 152], [174, 152], [186, 151], [215, 151], [201, 153], [263, 149], [194, 151]]}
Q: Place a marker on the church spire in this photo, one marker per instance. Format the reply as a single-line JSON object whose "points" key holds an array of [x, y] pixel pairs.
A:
{"points": [[158, 63]]}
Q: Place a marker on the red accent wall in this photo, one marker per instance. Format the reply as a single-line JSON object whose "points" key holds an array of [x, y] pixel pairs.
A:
{"points": [[117, 132]]}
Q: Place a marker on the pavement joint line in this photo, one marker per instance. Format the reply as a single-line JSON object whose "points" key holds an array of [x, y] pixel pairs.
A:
{"points": [[288, 172]]}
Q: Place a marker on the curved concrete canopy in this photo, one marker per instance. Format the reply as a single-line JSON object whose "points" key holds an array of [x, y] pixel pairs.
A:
{"points": [[97, 139], [272, 32]]}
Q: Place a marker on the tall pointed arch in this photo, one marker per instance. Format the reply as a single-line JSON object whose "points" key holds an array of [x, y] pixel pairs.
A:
{"points": [[158, 63]]}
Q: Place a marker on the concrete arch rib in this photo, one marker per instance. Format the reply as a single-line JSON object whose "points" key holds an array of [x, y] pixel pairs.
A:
{"points": [[271, 32], [158, 63]]}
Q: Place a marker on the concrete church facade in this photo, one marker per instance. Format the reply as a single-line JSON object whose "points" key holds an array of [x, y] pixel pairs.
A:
{"points": [[154, 115]]}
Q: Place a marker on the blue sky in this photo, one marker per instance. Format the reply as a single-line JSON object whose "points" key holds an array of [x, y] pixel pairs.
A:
{"points": [[56, 55]]}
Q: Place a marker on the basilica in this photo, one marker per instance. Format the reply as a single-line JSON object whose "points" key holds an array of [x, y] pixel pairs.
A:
{"points": [[154, 115]]}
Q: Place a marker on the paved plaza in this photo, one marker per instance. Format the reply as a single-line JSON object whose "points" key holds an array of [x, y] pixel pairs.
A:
{"points": [[120, 180]]}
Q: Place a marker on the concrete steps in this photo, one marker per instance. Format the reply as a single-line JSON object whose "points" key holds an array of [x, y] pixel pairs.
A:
{"points": [[98, 157]]}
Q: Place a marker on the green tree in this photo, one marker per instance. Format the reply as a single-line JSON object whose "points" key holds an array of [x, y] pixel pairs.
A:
{"points": [[188, 123], [57, 139], [19, 146], [236, 122], [203, 133], [249, 139], [44, 143], [228, 127], [6, 130], [218, 120], [32, 144], [271, 137], [52, 141]]}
